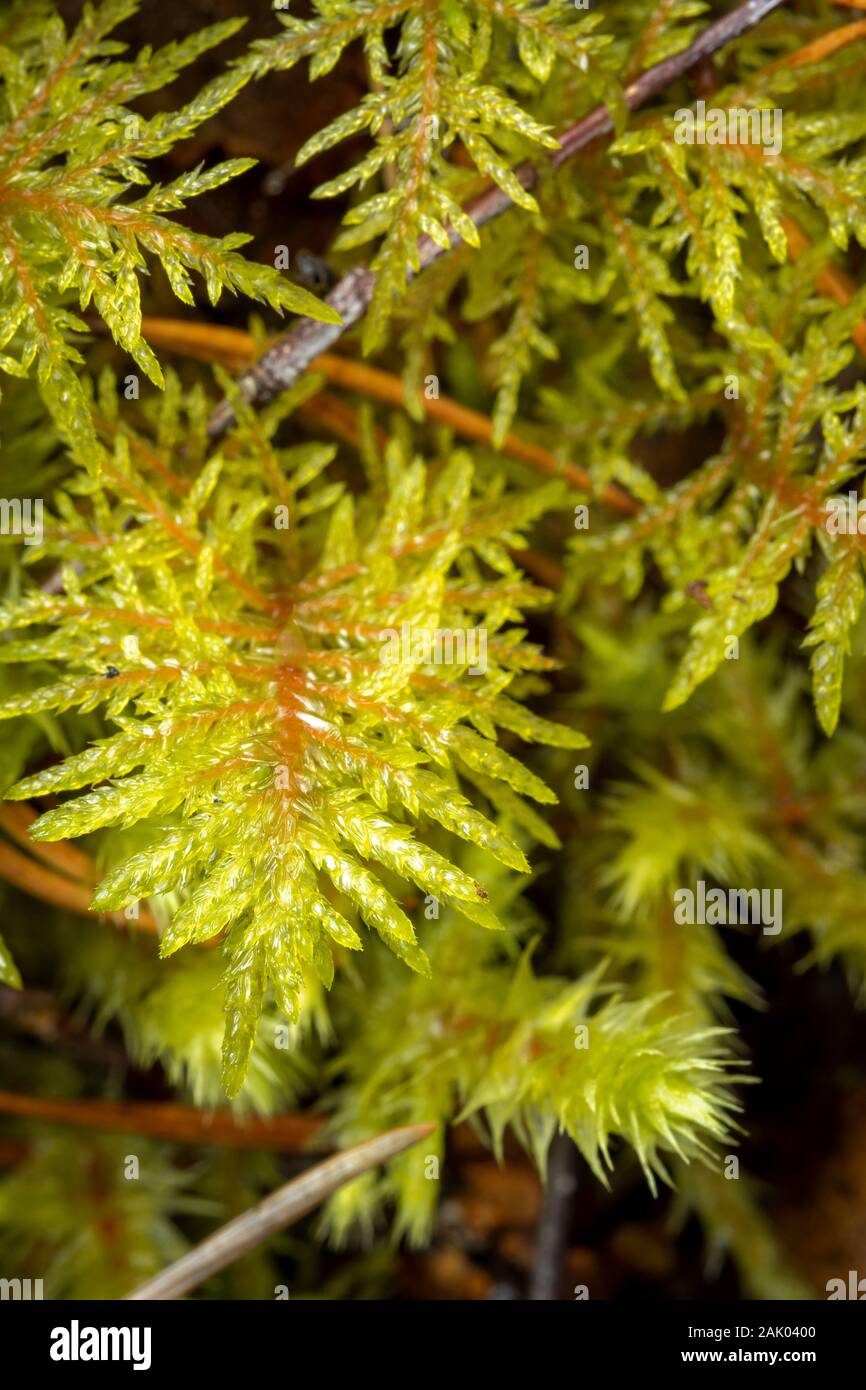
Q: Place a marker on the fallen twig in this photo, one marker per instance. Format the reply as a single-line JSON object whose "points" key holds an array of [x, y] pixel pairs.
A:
{"points": [[294, 351], [284, 1206], [551, 1240]]}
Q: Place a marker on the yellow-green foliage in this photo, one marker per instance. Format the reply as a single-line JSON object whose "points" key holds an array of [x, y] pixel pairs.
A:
{"points": [[260, 728], [74, 1212], [71, 145], [455, 71], [193, 657]]}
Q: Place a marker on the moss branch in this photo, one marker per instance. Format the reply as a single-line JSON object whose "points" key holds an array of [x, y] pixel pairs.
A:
{"points": [[294, 351]]}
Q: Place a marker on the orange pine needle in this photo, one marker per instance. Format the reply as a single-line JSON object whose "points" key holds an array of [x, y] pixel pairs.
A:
{"points": [[16, 819], [289, 1133], [65, 878], [822, 47], [831, 280], [235, 348]]}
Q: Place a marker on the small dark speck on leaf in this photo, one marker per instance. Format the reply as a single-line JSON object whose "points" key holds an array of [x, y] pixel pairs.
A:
{"points": [[110, 672], [698, 591], [482, 892]]}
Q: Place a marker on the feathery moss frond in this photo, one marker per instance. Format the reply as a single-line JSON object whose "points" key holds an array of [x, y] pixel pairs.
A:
{"points": [[283, 714], [509, 1047], [71, 146], [450, 83]]}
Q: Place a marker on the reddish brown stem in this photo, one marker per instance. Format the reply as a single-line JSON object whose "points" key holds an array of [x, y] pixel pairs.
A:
{"points": [[17, 818], [289, 1133]]}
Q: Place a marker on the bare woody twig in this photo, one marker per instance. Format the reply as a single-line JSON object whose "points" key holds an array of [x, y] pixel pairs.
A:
{"points": [[293, 353], [551, 1240], [287, 1204]]}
